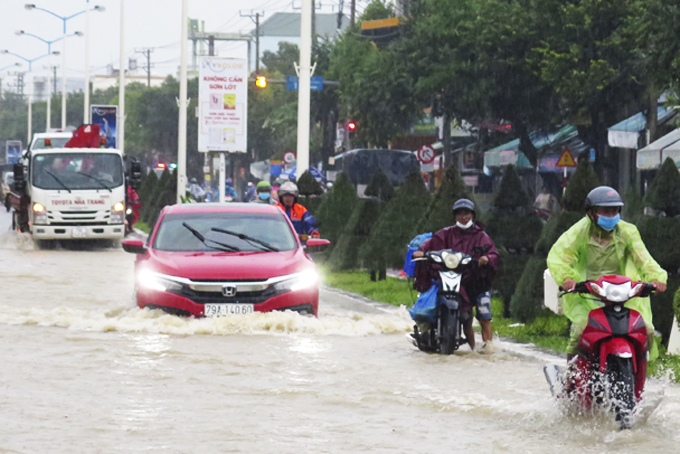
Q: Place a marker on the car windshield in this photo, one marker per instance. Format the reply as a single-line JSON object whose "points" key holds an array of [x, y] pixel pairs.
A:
{"points": [[271, 229], [56, 142], [77, 171]]}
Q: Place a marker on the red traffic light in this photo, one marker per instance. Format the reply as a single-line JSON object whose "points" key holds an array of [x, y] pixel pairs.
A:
{"points": [[351, 125], [161, 165]]}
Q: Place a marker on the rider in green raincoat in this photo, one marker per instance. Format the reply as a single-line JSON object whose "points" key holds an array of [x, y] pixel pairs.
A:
{"points": [[598, 245]]}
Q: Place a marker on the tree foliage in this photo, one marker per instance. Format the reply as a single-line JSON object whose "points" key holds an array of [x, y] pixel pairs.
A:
{"points": [[438, 214], [664, 192], [337, 207], [580, 184]]}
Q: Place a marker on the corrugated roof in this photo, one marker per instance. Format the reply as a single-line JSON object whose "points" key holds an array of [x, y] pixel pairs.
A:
{"points": [[288, 25]]}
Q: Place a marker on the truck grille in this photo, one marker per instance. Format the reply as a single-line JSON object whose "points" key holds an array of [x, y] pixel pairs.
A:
{"points": [[78, 217]]}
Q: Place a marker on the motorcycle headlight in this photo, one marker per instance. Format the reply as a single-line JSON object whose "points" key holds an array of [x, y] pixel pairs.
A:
{"points": [[159, 282], [298, 281], [452, 260]]}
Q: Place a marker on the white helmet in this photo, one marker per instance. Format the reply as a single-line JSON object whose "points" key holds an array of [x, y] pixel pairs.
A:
{"points": [[288, 188]]}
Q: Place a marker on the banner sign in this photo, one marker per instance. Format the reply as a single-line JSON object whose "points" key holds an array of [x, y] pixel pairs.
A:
{"points": [[223, 105], [106, 117], [13, 151]]}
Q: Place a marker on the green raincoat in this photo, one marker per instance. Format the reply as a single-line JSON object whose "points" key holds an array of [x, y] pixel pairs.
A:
{"points": [[568, 258]]}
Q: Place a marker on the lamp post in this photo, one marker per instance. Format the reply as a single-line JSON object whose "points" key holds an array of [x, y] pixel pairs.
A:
{"points": [[49, 72], [10, 66], [30, 101], [182, 132], [120, 127], [64, 19]]}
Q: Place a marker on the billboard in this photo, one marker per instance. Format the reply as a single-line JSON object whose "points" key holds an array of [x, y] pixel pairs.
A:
{"points": [[106, 117], [223, 105], [13, 151]]}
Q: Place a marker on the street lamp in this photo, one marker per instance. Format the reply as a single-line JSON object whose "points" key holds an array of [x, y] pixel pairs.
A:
{"points": [[64, 19], [10, 66], [48, 117]]}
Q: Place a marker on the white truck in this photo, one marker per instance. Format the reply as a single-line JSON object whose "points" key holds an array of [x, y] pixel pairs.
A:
{"points": [[67, 187]]}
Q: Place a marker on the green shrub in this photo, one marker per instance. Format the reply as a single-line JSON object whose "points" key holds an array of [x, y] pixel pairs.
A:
{"points": [[336, 208], [634, 205], [380, 186], [508, 275], [150, 213], [664, 192], [527, 301], [146, 191], [438, 214], [307, 184], [580, 184], [312, 203], [662, 238], [345, 255], [511, 196], [663, 308], [396, 226]]}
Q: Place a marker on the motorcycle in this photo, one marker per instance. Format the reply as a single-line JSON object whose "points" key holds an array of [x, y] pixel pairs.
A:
{"points": [[611, 365], [445, 324]]}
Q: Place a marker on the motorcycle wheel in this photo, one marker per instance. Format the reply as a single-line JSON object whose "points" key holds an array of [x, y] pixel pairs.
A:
{"points": [[448, 331], [621, 388]]}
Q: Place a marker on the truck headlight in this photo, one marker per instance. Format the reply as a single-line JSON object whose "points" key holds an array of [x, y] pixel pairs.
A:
{"points": [[298, 281], [39, 214], [118, 213]]}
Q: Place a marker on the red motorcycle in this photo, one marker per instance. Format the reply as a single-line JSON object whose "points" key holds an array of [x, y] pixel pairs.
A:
{"points": [[611, 365]]}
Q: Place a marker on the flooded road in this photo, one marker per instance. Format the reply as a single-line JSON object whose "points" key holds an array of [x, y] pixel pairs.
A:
{"points": [[85, 371]]}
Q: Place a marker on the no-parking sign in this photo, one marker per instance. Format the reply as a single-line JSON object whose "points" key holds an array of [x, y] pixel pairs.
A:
{"points": [[426, 154]]}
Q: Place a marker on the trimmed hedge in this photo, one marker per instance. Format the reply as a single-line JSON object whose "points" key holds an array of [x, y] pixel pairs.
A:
{"points": [[438, 214], [336, 208], [307, 185], [664, 192], [396, 226], [527, 301], [580, 184]]}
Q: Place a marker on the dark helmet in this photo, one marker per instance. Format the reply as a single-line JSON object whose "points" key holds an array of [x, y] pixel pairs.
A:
{"points": [[603, 196], [463, 204]]}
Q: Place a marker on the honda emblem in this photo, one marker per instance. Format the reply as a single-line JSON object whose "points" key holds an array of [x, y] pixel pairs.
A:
{"points": [[229, 290]]}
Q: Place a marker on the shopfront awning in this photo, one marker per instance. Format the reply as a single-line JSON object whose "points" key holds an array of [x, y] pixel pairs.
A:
{"points": [[625, 133], [654, 154]]}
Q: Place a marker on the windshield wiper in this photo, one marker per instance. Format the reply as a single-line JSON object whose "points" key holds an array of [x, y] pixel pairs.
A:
{"points": [[98, 180], [203, 240], [245, 237], [58, 180]]}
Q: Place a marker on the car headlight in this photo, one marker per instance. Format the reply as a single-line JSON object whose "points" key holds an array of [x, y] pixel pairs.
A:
{"points": [[159, 282], [452, 260], [298, 281]]}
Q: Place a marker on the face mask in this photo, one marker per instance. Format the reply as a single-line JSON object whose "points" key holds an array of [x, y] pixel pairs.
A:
{"points": [[264, 195], [465, 226], [608, 223]]}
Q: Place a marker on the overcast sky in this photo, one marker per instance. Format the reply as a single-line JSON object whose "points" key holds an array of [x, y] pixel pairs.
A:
{"points": [[148, 24]]}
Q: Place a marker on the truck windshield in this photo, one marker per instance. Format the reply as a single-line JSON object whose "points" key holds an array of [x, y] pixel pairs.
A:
{"points": [[57, 142], [271, 229], [77, 171]]}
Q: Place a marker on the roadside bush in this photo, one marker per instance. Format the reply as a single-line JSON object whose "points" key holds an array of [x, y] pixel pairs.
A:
{"points": [[394, 229], [362, 220], [336, 208], [527, 301], [152, 204], [664, 192], [663, 308], [167, 196], [307, 185], [438, 214], [580, 184], [146, 190], [511, 196]]}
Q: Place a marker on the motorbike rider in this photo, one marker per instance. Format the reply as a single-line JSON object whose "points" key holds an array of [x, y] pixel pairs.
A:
{"points": [[196, 190], [468, 237], [264, 193], [602, 244], [229, 190], [302, 220], [133, 205]]}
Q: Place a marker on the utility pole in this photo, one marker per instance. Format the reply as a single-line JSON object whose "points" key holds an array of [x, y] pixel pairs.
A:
{"points": [[54, 78], [340, 6], [256, 19], [353, 13], [147, 53]]}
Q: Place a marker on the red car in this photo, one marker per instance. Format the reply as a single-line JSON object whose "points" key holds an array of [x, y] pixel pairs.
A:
{"points": [[225, 259]]}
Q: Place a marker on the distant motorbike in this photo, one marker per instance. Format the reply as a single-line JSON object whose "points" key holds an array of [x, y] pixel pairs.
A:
{"points": [[445, 333], [611, 365]]}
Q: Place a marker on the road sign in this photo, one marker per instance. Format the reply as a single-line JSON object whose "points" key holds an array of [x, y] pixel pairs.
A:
{"points": [[426, 154], [289, 157], [315, 83], [566, 159]]}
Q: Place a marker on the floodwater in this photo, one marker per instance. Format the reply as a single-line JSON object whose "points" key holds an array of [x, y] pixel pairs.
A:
{"points": [[85, 371]]}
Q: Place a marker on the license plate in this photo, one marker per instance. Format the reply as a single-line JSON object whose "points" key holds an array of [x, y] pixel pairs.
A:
{"points": [[79, 232], [216, 310]]}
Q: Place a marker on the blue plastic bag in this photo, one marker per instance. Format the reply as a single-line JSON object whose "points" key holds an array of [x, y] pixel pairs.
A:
{"points": [[425, 307], [409, 264]]}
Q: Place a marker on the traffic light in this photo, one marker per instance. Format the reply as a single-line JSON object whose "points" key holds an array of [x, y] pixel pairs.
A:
{"points": [[351, 126], [261, 81]]}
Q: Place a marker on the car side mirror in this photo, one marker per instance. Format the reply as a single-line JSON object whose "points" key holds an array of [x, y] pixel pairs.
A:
{"points": [[316, 245], [134, 246]]}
